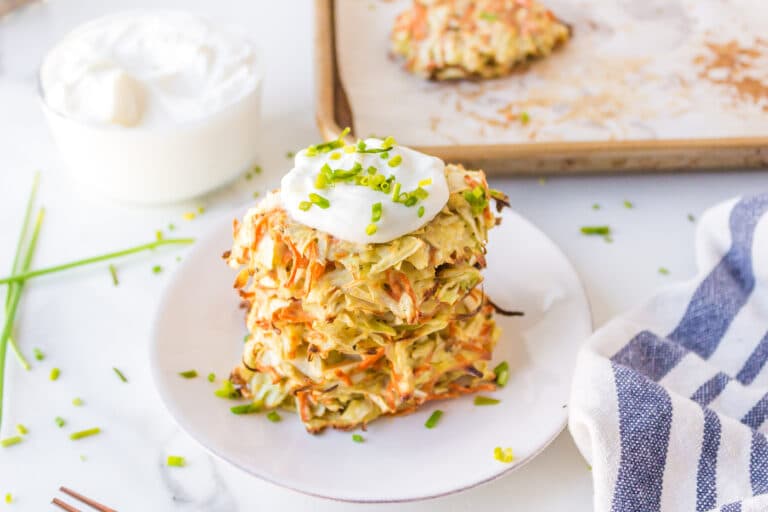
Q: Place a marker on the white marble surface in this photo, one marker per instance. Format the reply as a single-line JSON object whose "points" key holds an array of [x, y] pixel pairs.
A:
{"points": [[86, 326]]}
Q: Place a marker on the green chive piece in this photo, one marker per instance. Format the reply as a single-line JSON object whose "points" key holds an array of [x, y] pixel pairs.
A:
{"points": [[384, 155], [388, 142], [74, 436], [420, 212], [486, 400], [376, 210], [502, 374], [227, 390], [83, 458], [10, 441], [628, 205], [113, 273], [274, 417], [426, 182], [246, 408], [59, 421], [245, 338], [358, 438], [595, 206], [119, 374], [176, 461], [663, 271], [504, 455], [157, 269], [171, 227], [189, 374], [311, 151], [255, 194], [525, 118], [596, 230], [420, 194], [158, 235], [289, 154], [371, 229], [433, 419], [211, 377], [77, 402], [38, 354], [21, 429], [361, 145], [395, 161], [55, 372], [396, 192], [305, 206], [691, 218], [319, 200], [8, 498]]}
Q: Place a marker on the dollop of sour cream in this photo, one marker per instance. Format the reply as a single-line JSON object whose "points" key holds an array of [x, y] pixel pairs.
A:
{"points": [[344, 201], [147, 68]]}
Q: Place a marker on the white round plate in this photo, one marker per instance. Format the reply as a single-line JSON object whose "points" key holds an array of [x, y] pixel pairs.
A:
{"points": [[199, 326]]}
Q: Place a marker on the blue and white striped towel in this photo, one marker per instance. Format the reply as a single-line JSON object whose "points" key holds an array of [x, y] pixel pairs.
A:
{"points": [[670, 401]]}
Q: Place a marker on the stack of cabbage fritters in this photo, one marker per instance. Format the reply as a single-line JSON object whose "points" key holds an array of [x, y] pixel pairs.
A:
{"points": [[344, 333]]}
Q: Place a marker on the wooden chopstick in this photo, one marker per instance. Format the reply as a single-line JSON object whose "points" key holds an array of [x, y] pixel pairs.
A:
{"points": [[64, 506], [88, 501]]}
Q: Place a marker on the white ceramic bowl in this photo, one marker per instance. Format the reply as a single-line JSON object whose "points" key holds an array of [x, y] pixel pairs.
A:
{"points": [[160, 164]]}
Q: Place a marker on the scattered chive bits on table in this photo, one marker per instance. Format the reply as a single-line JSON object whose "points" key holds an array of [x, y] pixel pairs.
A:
{"points": [[596, 230], [77, 402], [188, 374], [59, 421], [504, 455], [274, 417], [628, 205], [358, 438], [21, 429], [502, 374], [433, 419], [8, 498], [39, 356], [663, 271], [251, 408], [486, 400], [55, 372], [211, 377], [176, 461], [113, 273], [119, 374], [10, 441], [74, 436]]}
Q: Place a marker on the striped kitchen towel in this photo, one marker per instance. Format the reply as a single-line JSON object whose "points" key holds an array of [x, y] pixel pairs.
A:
{"points": [[670, 401]]}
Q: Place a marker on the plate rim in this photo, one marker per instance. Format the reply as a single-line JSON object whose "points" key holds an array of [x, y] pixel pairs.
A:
{"points": [[176, 414]]}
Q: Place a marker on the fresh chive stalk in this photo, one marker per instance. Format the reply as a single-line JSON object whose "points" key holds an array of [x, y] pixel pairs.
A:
{"points": [[251, 408], [74, 436], [10, 441], [113, 273], [433, 419], [376, 210], [119, 374], [486, 400], [188, 374], [596, 230]]}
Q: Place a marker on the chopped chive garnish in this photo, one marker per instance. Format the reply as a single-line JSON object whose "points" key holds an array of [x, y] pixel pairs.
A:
{"points": [[227, 390], [10, 441], [246, 408], [84, 433], [176, 461], [395, 161], [21, 429], [382, 150], [396, 192], [433, 419], [55, 372], [38, 354], [171, 227], [420, 212], [384, 155], [504, 455], [311, 151], [211, 377], [319, 200], [83, 458], [486, 400], [596, 206], [502, 374], [77, 402], [289, 154], [188, 216], [255, 194], [200, 210], [426, 182], [349, 149], [361, 145], [487, 16], [358, 438], [8, 498], [596, 230], [691, 217], [158, 235], [245, 338], [157, 269], [273, 417], [525, 118], [628, 204], [119, 374], [388, 142], [335, 156], [376, 212], [189, 374], [371, 229], [257, 169], [113, 273], [476, 198], [59, 421], [663, 271], [305, 206]]}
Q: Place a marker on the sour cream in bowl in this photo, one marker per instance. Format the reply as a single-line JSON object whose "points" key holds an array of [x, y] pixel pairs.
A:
{"points": [[153, 106]]}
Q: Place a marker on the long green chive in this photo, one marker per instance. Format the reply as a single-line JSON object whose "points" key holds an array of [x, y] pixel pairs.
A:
{"points": [[305, 206], [227, 390], [59, 421], [119, 374], [371, 229], [211, 377], [420, 212], [246, 408], [55, 372], [87, 261], [113, 273], [84, 433], [77, 402], [486, 400], [395, 161], [274, 417], [38, 354], [358, 438], [188, 374], [596, 230], [21, 429], [376, 212], [433, 419], [176, 461], [10, 441], [319, 200]]}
